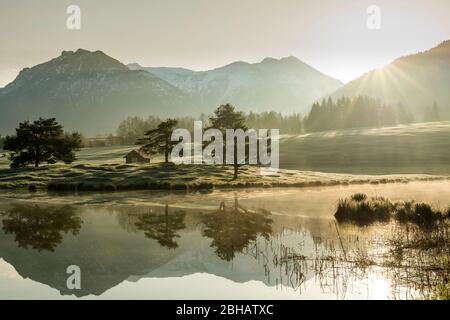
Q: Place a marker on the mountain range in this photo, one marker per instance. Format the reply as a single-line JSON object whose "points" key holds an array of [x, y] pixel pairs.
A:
{"points": [[86, 91], [286, 85], [91, 92]]}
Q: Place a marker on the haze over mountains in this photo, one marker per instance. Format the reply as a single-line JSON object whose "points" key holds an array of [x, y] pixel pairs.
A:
{"points": [[285, 85], [92, 92], [86, 91], [415, 80]]}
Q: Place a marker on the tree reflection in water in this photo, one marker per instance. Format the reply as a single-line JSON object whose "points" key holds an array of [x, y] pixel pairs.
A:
{"points": [[162, 228], [232, 229], [40, 228]]}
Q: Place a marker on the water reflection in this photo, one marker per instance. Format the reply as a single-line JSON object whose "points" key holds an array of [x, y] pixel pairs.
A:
{"points": [[111, 244], [176, 237], [40, 228], [162, 228], [232, 229]]}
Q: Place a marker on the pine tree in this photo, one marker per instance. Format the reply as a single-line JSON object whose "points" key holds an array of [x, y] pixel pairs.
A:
{"points": [[435, 112], [225, 117], [159, 140], [41, 141]]}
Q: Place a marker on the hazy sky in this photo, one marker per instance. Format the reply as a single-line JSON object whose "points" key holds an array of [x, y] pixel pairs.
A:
{"points": [[330, 35]]}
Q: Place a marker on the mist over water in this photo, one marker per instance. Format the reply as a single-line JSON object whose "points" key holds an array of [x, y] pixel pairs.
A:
{"points": [[167, 245]]}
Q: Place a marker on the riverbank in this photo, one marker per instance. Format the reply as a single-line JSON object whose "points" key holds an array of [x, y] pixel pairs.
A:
{"points": [[160, 176]]}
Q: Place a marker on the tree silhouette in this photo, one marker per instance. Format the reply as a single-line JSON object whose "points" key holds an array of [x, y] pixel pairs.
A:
{"points": [[38, 227], [41, 141], [225, 117], [432, 113], [292, 123], [159, 140], [162, 228], [359, 111], [232, 229]]}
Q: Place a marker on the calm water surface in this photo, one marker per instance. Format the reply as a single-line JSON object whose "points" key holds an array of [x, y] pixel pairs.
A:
{"points": [[246, 244]]}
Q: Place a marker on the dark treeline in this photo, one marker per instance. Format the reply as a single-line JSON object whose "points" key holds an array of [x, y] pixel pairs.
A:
{"points": [[329, 114], [2, 141], [362, 111], [132, 129], [353, 113], [267, 120], [101, 140]]}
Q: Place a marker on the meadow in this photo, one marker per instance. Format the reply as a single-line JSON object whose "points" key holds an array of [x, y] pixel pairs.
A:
{"points": [[377, 155], [413, 148]]}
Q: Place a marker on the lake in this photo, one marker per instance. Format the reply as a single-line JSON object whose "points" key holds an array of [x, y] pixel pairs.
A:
{"points": [[234, 244]]}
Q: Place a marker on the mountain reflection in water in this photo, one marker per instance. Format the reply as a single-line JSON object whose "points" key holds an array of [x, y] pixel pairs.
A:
{"points": [[241, 241], [111, 244]]}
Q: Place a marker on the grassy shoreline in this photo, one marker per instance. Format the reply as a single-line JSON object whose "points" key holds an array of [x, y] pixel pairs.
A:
{"points": [[417, 152], [160, 176]]}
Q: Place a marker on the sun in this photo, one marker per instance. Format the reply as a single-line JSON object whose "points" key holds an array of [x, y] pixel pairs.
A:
{"points": [[379, 289]]}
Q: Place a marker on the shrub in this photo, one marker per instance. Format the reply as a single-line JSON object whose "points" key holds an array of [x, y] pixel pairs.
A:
{"points": [[405, 211], [418, 213], [363, 211], [359, 197]]}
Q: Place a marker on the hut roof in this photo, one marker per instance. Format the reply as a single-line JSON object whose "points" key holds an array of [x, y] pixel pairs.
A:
{"points": [[136, 153]]}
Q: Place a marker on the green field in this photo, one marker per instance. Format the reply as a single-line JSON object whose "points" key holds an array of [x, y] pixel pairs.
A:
{"points": [[415, 148], [401, 153]]}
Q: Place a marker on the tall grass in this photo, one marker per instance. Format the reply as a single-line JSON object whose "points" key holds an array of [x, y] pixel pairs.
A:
{"points": [[362, 210], [418, 213]]}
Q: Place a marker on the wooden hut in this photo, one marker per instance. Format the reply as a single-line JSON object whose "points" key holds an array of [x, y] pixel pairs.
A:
{"points": [[136, 157]]}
